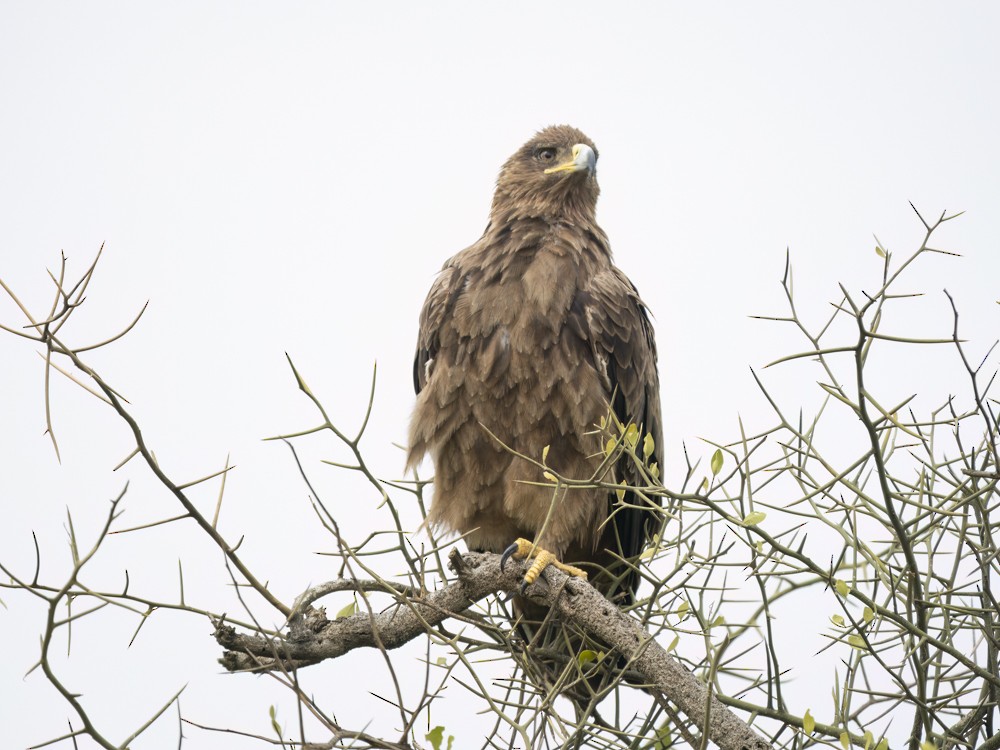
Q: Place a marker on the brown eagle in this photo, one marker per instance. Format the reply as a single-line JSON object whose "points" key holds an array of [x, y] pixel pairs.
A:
{"points": [[529, 340]]}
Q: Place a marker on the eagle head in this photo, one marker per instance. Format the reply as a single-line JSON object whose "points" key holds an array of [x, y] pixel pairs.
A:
{"points": [[553, 175]]}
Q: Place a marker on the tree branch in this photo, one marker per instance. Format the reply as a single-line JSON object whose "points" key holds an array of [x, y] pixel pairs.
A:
{"points": [[312, 638]]}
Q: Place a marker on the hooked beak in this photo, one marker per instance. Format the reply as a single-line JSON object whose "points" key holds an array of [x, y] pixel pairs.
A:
{"points": [[583, 158]]}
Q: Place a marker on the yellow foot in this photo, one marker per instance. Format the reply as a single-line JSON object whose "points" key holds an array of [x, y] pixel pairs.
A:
{"points": [[522, 549]]}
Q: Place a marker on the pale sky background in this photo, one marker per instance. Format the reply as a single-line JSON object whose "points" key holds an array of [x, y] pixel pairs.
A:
{"points": [[289, 177]]}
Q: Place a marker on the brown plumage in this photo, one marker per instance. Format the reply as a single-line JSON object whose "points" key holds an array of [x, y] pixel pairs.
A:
{"points": [[532, 334]]}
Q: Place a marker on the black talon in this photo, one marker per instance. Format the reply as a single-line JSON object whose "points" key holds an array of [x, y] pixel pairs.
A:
{"points": [[506, 555], [524, 587]]}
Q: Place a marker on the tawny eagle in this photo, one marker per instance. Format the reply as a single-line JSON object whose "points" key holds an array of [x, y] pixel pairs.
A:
{"points": [[529, 339]]}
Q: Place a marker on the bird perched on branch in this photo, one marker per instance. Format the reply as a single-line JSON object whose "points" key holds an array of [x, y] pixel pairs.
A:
{"points": [[530, 341]]}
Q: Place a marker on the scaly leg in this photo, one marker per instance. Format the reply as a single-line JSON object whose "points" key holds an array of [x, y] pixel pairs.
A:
{"points": [[522, 548]]}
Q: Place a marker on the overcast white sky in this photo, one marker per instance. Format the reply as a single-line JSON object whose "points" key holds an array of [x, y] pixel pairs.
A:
{"points": [[289, 177]]}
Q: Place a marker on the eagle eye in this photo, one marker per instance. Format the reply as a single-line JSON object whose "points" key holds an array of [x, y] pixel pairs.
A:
{"points": [[545, 155]]}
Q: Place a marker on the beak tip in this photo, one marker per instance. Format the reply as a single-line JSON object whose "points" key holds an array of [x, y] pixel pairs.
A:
{"points": [[584, 157]]}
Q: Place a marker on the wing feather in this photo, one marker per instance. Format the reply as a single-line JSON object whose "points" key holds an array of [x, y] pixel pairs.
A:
{"points": [[440, 299], [616, 322]]}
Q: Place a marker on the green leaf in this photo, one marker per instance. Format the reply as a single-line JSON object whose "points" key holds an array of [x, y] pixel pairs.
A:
{"points": [[654, 469], [837, 620], [621, 493], [673, 643], [441, 662], [717, 462], [549, 475], [545, 453], [631, 435], [648, 446], [883, 744], [842, 588], [808, 722], [435, 737], [682, 610], [857, 641], [652, 549], [609, 447], [754, 518], [273, 713], [845, 740], [350, 609], [927, 745], [720, 620], [868, 615], [879, 251], [869, 739], [663, 740], [585, 657]]}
